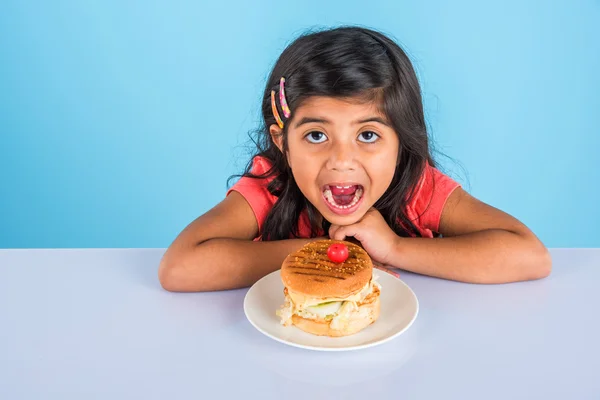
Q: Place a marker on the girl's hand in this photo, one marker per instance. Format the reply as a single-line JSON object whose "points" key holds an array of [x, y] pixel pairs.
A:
{"points": [[373, 233]]}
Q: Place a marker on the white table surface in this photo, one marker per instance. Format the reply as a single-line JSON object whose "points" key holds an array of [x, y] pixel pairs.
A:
{"points": [[95, 324]]}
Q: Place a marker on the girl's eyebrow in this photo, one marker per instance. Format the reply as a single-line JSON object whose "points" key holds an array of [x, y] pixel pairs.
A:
{"points": [[372, 119], [308, 120]]}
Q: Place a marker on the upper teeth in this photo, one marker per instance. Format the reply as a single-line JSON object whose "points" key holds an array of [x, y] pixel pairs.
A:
{"points": [[343, 187]]}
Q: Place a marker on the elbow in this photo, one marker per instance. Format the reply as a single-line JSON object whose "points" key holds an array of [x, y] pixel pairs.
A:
{"points": [[541, 263], [535, 264], [528, 265], [172, 275], [168, 275], [179, 271]]}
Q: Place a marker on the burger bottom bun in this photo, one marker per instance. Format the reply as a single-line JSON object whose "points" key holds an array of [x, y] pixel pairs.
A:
{"points": [[356, 323]]}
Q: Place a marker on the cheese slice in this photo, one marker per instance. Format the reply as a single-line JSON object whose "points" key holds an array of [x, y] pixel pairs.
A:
{"points": [[325, 309], [338, 309], [302, 301]]}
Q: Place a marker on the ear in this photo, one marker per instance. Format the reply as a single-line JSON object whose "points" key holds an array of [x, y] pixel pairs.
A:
{"points": [[277, 136]]}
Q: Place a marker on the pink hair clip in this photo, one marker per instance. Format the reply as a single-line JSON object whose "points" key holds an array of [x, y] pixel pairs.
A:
{"points": [[275, 112], [282, 100]]}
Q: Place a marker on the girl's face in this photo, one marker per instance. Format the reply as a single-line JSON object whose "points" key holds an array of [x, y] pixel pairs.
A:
{"points": [[342, 154]]}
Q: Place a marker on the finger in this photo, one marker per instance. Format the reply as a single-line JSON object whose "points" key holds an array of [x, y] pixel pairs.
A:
{"points": [[332, 230], [347, 231], [339, 233]]}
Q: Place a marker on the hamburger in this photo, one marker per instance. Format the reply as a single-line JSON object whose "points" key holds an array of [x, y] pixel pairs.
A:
{"points": [[329, 289]]}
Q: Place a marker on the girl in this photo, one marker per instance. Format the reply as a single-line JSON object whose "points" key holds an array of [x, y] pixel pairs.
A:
{"points": [[344, 154]]}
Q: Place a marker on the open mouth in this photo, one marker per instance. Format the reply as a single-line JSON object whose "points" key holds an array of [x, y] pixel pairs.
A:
{"points": [[343, 197]]}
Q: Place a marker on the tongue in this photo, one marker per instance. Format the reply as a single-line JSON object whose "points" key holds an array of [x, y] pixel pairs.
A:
{"points": [[344, 199], [343, 196], [337, 191]]}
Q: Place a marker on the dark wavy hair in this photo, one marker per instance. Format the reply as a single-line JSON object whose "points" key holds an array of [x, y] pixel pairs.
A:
{"points": [[344, 62]]}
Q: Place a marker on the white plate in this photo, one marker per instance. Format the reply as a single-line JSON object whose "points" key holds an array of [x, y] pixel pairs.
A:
{"points": [[399, 308]]}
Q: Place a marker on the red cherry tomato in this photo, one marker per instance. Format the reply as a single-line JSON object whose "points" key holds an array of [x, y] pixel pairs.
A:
{"points": [[337, 252]]}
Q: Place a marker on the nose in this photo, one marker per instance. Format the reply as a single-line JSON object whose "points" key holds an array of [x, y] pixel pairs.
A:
{"points": [[342, 157]]}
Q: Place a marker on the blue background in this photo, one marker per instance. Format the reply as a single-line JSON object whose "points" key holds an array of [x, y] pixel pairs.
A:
{"points": [[117, 127]]}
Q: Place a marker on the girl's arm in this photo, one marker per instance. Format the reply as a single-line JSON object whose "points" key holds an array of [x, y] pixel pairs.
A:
{"points": [[481, 244], [217, 251]]}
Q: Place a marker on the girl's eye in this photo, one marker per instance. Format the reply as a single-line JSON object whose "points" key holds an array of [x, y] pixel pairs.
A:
{"points": [[368, 137], [316, 137]]}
